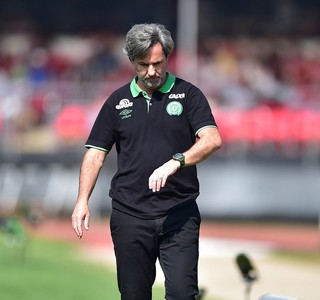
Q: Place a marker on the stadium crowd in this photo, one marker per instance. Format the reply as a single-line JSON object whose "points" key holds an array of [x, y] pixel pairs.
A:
{"points": [[56, 85]]}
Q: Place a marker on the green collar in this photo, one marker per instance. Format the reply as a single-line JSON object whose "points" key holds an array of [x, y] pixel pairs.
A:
{"points": [[166, 88]]}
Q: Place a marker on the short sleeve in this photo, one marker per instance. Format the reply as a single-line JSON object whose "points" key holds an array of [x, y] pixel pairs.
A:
{"points": [[102, 133], [199, 110]]}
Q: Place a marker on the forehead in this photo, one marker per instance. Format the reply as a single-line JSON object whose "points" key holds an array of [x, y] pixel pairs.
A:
{"points": [[154, 53]]}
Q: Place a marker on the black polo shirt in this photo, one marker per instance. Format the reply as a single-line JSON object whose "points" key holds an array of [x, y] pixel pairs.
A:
{"points": [[147, 132]]}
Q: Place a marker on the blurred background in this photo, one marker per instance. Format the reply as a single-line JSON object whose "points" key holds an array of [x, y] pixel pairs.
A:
{"points": [[258, 62]]}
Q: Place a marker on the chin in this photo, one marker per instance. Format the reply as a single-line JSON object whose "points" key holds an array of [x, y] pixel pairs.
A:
{"points": [[153, 85]]}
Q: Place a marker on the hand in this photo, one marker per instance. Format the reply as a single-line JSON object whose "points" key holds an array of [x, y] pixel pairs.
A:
{"points": [[158, 178], [80, 214]]}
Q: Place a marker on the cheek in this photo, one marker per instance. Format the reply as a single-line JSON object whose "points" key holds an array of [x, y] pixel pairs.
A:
{"points": [[161, 71], [140, 75]]}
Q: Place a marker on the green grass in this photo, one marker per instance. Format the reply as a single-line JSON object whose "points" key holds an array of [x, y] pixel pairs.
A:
{"points": [[302, 257], [50, 270]]}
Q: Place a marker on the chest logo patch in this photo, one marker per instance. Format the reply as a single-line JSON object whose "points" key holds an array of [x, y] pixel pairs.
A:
{"points": [[126, 113], [174, 108], [124, 103]]}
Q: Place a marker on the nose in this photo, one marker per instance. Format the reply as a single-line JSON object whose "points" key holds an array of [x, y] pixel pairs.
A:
{"points": [[151, 70]]}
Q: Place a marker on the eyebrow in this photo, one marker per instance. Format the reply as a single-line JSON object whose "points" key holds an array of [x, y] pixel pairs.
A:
{"points": [[147, 64]]}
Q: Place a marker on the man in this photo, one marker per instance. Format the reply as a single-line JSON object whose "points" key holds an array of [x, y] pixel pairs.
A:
{"points": [[162, 127]]}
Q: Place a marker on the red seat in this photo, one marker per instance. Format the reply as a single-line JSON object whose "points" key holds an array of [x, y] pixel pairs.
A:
{"points": [[71, 122]]}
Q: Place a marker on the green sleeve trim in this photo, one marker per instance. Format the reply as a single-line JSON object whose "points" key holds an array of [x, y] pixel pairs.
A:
{"points": [[209, 126], [99, 148]]}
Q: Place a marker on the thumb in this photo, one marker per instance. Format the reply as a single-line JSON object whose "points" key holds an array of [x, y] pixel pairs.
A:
{"points": [[86, 222]]}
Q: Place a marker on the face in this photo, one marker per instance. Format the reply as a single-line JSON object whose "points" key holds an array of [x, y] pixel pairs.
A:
{"points": [[151, 69]]}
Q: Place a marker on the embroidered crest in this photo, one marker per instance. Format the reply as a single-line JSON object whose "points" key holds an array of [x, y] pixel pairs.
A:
{"points": [[174, 108]]}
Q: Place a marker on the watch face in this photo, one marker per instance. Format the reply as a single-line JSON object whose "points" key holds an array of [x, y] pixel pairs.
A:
{"points": [[178, 156]]}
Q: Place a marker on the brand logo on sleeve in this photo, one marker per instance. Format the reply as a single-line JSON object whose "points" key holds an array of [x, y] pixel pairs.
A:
{"points": [[174, 108]]}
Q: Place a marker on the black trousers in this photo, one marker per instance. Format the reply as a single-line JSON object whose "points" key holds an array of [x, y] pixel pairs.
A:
{"points": [[173, 239]]}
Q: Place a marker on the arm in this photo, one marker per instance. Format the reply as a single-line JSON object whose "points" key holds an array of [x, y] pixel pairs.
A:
{"points": [[209, 141], [89, 172]]}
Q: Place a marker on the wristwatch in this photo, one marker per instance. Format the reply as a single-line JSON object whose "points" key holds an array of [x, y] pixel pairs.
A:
{"points": [[180, 158]]}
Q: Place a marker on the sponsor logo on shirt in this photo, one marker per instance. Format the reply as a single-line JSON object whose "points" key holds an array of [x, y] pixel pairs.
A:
{"points": [[125, 112], [124, 103], [177, 96], [174, 108]]}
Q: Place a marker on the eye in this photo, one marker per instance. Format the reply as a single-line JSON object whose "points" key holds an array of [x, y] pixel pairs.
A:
{"points": [[143, 65]]}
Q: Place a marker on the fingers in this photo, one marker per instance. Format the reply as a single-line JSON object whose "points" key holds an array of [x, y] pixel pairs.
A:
{"points": [[77, 226], [156, 182], [158, 178], [80, 217]]}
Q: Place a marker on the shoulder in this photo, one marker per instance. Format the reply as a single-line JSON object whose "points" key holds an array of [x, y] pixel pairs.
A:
{"points": [[122, 92], [184, 85], [189, 91]]}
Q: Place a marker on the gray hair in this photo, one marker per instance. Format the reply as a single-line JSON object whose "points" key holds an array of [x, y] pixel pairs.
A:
{"points": [[141, 37]]}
